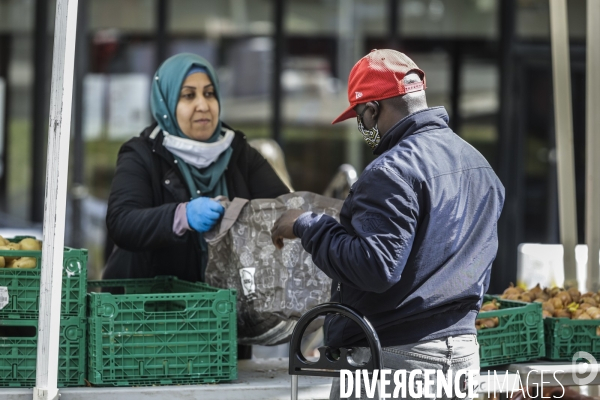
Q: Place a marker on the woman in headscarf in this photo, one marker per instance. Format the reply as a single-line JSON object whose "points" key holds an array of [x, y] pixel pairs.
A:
{"points": [[161, 199]]}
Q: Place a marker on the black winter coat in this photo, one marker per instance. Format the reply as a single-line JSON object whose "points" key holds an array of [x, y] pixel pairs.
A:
{"points": [[145, 192]]}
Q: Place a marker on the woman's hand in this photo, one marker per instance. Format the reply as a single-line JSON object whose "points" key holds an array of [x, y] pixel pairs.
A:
{"points": [[203, 213]]}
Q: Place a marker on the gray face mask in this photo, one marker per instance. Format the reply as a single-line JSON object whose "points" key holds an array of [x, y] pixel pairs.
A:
{"points": [[371, 136]]}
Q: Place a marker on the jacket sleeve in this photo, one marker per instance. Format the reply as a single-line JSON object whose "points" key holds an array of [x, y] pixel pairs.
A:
{"points": [[263, 181], [384, 213], [134, 222]]}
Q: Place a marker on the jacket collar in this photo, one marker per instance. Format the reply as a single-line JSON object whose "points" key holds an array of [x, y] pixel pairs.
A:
{"points": [[418, 122]]}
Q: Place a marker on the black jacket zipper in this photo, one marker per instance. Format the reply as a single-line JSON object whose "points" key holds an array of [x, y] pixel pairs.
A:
{"points": [[339, 289]]}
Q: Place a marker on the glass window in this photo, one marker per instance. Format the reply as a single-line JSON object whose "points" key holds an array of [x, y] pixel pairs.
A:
{"points": [[127, 16], [533, 19], [443, 18]]}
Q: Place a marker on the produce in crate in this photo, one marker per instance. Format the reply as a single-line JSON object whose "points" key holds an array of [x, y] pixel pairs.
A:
{"points": [[10, 247], [483, 323], [24, 262], [26, 244], [30, 244], [558, 302], [517, 336]]}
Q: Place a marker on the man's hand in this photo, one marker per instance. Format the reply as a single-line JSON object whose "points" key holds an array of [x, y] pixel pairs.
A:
{"points": [[284, 227]]}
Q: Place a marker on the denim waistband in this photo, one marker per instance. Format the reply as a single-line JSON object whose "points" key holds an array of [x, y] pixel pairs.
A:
{"points": [[430, 328]]}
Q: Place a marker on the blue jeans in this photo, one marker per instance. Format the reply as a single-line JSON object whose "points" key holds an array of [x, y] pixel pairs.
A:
{"points": [[452, 353]]}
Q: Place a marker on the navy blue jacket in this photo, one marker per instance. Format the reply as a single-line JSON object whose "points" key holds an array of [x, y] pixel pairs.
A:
{"points": [[417, 236]]}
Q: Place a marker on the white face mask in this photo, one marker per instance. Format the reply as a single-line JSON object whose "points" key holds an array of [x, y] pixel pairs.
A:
{"points": [[193, 152]]}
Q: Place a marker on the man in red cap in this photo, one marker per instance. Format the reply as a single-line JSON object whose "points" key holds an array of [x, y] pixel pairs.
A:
{"points": [[417, 234]]}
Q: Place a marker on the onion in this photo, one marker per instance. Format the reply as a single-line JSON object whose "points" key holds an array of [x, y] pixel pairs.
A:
{"points": [[542, 295], [562, 314], [548, 306], [575, 294], [557, 303], [589, 300], [526, 298], [537, 289], [593, 312], [565, 297], [576, 313]]}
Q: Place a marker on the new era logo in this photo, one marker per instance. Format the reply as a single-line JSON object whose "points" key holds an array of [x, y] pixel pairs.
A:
{"points": [[358, 95]]}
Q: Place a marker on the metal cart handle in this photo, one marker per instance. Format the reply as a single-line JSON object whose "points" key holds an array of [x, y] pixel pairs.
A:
{"points": [[327, 365]]}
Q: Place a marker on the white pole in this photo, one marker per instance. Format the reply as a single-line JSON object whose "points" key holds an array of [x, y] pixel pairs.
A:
{"points": [[2, 102], [563, 121], [592, 129], [55, 203]]}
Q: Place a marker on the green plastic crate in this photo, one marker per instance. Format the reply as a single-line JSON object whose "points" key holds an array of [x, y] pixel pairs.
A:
{"points": [[18, 352], [23, 285], [518, 337], [565, 337], [161, 331]]}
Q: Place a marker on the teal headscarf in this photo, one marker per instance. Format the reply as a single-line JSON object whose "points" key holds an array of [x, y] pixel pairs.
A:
{"points": [[166, 88]]}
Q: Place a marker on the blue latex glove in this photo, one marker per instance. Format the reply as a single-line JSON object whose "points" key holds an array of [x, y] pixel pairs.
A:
{"points": [[203, 213]]}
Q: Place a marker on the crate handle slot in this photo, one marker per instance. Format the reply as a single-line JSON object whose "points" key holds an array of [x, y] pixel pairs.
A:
{"points": [[17, 331], [165, 306]]}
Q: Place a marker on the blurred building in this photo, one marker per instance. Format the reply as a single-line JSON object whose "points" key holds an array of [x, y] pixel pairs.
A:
{"points": [[283, 66]]}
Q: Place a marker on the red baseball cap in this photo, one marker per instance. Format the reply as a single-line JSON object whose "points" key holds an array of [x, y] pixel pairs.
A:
{"points": [[380, 75]]}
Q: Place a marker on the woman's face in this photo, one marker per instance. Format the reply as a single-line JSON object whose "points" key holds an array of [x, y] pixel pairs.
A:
{"points": [[197, 108]]}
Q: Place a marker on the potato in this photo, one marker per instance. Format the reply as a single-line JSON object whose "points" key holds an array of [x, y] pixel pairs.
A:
{"points": [[25, 263], [11, 246], [2, 262], [3, 242], [30, 244]]}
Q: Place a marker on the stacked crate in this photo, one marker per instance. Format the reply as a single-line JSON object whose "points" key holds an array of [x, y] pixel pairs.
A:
{"points": [[519, 336], [160, 331], [19, 320]]}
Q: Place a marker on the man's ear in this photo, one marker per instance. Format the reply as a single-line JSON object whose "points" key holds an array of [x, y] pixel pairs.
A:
{"points": [[374, 109]]}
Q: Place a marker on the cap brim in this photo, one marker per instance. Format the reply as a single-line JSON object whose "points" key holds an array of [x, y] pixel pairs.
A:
{"points": [[349, 113]]}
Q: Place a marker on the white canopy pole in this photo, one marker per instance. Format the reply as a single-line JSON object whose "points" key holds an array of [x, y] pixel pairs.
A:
{"points": [[563, 126], [592, 129], [55, 202]]}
